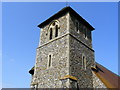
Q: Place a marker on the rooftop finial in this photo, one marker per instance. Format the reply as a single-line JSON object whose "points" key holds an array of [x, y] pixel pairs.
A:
{"points": [[67, 4]]}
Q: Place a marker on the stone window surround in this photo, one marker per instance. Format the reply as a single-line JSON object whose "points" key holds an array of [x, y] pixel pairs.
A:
{"points": [[52, 26], [84, 61], [50, 54]]}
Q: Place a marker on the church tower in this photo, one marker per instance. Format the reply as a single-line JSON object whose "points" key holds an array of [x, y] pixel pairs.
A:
{"points": [[65, 54]]}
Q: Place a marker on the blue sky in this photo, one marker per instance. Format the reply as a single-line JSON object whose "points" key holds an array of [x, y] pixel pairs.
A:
{"points": [[20, 36]]}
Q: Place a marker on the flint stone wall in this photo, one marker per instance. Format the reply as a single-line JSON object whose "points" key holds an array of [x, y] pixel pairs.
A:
{"points": [[76, 51], [49, 77], [97, 83], [80, 33], [80, 46]]}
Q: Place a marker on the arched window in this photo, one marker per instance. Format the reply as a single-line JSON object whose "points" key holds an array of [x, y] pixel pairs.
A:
{"points": [[56, 30], [50, 37], [53, 30], [49, 64], [84, 62]]}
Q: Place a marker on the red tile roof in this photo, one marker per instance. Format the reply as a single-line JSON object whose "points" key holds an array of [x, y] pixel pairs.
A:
{"points": [[110, 79]]}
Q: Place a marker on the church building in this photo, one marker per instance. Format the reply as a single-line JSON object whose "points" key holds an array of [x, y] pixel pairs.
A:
{"points": [[65, 57]]}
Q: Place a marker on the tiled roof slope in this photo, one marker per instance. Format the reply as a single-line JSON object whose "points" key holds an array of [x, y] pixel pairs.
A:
{"points": [[63, 12], [110, 79]]}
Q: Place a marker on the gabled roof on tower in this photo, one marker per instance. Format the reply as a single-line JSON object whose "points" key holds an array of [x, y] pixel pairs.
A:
{"points": [[62, 12], [110, 79]]}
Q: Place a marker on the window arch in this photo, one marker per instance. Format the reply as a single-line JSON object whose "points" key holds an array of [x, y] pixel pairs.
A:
{"points": [[54, 29]]}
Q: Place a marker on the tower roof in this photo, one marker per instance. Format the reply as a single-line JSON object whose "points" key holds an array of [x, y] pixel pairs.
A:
{"points": [[62, 12]]}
